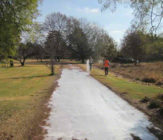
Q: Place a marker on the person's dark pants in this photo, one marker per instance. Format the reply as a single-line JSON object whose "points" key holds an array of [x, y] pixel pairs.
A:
{"points": [[106, 70], [90, 65]]}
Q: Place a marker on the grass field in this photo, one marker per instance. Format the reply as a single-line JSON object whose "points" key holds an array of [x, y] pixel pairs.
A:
{"points": [[146, 72], [25, 90], [131, 89], [23, 93]]}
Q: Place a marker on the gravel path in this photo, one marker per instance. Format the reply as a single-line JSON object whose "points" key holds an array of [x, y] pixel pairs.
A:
{"points": [[83, 108]]}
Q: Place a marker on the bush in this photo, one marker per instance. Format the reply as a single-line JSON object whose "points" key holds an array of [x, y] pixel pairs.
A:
{"points": [[160, 112], [149, 80], [159, 83], [160, 97], [145, 100], [153, 104], [123, 60]]}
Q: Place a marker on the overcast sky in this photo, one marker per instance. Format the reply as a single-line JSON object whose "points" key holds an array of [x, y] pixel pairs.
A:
{"points": [[115, 23]]}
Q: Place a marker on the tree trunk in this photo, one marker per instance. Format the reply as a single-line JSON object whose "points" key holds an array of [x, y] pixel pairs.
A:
{"points": [[82, 61], [22, 62], [11, 63], [52, 67], [59, 59]]}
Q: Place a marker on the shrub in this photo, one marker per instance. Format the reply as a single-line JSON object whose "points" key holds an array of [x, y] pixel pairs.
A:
{"points": [[159, 83], [145, 100], [160, 97], [153, 104], [160, 112], [149, 80]]}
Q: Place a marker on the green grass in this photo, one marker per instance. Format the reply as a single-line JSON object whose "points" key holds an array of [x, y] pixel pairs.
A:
{"points": [[15, 81], [150, 70], [133, 90], [23, 92]]}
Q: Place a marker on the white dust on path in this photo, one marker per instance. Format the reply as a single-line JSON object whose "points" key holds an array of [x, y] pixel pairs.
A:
{"points": [[84, 108]]}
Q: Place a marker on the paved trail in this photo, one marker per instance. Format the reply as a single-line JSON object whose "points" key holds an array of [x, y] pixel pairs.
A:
{"points": [[84, 108]]}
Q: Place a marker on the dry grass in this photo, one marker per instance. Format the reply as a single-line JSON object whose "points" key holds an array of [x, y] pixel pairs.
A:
{"points": [[146, 72], [23, 94]]}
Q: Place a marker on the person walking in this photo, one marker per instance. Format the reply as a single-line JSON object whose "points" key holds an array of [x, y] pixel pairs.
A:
{"points": [[90, 63], [106, 66]]}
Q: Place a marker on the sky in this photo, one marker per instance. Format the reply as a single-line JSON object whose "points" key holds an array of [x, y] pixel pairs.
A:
{"points": [[115, 23]]}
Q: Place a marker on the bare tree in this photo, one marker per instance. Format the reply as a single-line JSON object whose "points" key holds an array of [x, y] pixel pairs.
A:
{"points": [[56, 22], [148, 13], [81, 39], [53, 46], [38, 51], [99, 40], [24, 51]]}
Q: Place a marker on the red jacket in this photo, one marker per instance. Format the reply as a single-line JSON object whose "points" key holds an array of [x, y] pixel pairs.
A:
{"points": [[106, 63]]}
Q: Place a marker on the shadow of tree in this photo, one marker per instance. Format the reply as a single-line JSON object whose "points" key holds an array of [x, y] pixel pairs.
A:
{"points": [[28, 77]]}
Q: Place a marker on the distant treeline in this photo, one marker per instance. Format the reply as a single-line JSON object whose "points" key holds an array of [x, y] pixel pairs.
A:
{"points": [[141, 46], [61, 36]]}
